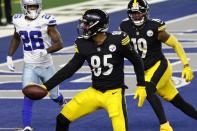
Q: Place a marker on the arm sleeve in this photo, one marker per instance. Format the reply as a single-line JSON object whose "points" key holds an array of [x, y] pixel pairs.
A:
{"points": [[129, 53], [176, 45], [67, 71]]}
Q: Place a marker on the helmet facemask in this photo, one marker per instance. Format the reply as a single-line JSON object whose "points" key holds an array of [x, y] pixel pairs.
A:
{"points": [[31, 8], [93, 22]]}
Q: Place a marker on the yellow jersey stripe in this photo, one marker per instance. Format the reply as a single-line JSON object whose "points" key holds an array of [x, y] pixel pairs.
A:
{"points": [[162, 28]]}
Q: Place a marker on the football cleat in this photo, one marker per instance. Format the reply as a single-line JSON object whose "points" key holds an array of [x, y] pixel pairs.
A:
{"points": [[166, 127]]}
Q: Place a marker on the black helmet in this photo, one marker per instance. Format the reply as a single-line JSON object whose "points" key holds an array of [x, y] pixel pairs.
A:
{"points": [[138, 12], [92, 22]]}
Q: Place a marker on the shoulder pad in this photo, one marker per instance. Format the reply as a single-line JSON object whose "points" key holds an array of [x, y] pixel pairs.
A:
{"points": [[126, 19], [160, 24], [118, 33], [158, 21], [16, 17], [50, 19], [123, 36]]}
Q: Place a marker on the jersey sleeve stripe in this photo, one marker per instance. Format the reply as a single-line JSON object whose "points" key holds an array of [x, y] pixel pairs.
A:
{"points": [[162, 28], [76, 48], [125, 42], [126, 38]]}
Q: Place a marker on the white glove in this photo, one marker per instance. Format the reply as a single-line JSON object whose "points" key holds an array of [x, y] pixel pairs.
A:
{"points": [[39, 53], [10, 63]]}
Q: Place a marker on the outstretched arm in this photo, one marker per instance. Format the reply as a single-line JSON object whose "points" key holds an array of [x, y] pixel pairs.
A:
{"points": [[67, 71], [171, 41], [134, 58]]}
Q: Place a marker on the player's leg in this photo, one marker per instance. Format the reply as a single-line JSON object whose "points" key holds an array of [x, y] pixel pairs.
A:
{"points": [[46, 73], [172, 95], [184, 106], [28, 77], [82, 104], [154, 77], [114, 103]]}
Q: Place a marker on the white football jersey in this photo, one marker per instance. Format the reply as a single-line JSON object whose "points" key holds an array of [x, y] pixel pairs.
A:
{"points": [[34, 37]]}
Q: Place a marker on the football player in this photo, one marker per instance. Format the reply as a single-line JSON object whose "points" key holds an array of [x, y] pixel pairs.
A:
{"points": [[40, 38], [147, 36], [105, 53]]}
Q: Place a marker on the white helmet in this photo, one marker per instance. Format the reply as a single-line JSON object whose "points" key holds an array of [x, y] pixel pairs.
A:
{"points": [[33, 14]]}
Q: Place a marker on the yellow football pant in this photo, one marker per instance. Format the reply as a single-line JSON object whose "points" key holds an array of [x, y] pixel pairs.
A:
{"points": [[160, 74], [90, 100]]}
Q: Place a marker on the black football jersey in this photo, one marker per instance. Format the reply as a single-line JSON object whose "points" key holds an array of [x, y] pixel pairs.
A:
{"points": [[145, 39], [106, 62]]}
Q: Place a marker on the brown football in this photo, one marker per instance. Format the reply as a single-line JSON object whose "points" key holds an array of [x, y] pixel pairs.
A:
{"points": [[34, 92]]}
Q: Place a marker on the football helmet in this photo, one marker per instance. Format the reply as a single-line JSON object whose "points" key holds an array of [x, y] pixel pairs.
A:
{"points": [[138, 12], [31, 13], [92, 22]]}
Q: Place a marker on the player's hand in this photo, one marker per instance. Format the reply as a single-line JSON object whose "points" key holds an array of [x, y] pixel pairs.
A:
{"points": [[10, 63], [39, 53], [187, 74], [141, 93]]}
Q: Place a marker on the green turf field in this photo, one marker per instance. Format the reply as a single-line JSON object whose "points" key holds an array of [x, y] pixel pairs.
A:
{"points": [[45, 4]]}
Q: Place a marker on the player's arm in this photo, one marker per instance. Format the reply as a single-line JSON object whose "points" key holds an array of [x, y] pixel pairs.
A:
{"points": [[13, 46], [172, 41], [128, 52], [67, 71], [57, 42]]}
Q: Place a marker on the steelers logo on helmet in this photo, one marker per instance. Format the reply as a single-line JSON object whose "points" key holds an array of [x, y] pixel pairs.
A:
{"points": [[149, 33], [92, 22], [138, 11], [31, 8], [112, 48]]}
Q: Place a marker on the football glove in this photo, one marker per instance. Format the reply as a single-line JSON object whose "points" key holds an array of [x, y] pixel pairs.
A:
{"points": [[141, 93], [187, 74], [10, 63], [166, 127], [39, 53]]}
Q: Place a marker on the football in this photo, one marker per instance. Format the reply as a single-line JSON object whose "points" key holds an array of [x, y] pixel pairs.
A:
{"points": [[34, 92]]}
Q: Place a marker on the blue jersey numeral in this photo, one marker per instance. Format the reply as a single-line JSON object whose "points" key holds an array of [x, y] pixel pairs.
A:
{"points": [[32, 40]]}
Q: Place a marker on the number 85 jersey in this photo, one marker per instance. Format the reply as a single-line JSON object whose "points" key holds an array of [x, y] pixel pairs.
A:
{"points": [[34, 36]]}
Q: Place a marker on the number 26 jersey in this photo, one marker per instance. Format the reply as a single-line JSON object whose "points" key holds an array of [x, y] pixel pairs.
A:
{"points": [[34, 37]]}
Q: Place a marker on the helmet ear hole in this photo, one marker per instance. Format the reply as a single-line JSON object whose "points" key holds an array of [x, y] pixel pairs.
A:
{"points": [[92, 22]]}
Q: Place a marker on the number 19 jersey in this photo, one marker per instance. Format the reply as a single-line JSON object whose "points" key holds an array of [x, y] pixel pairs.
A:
{"points": [[145, 39], [35, 38]]}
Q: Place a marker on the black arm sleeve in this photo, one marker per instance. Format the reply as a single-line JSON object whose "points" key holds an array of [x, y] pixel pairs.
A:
{"points": [[135, 59], [67, 71]]}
